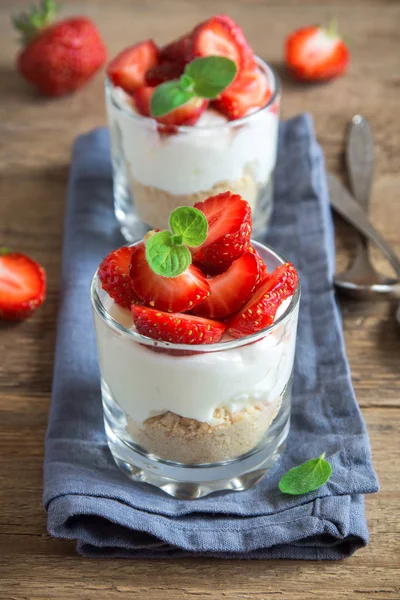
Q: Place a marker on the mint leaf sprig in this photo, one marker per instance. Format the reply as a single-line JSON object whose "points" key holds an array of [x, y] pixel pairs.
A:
{"points": [[167, 252], [307, 477], [203, 78]]}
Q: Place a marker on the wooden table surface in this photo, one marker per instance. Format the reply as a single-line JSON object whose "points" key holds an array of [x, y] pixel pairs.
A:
{"points": [[36, 137]]}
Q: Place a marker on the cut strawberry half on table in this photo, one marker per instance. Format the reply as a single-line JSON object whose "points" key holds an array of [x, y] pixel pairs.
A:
{"points": [[229, 230], [128, 69], [230, 290], [164, 71], [316, 53], [262, 267], [249, 92], [176, 328], [177, 51], [260, 310], [22, 285], [221, 36], [169, 294], [115, 279]]}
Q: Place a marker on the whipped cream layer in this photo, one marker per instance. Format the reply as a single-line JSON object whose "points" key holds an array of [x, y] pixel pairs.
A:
{"points": [[146, 383], [213, 150]]}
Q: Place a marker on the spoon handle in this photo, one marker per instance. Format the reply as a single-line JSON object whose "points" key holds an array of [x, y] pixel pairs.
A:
{"points": [[360, 160], [349, 209]]}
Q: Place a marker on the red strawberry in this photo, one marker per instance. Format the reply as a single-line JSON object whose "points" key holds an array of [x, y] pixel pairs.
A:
{"points": [[22, 286], [221, 36], [316, 53], [229, 230], [176, 328], [230, 290], [262, 267], [58, 58], [249, 92], [142, 97], [187, 114], [177, 51], [170, 294], [260, 310], [114, 276], [164, 71], [128, 69]]}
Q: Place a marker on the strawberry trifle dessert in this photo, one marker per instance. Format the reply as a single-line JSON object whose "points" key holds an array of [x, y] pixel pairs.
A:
{"points": [[196, 331], [188, 120]]}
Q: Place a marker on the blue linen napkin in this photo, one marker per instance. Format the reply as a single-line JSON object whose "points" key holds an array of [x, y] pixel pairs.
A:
{"points": [[86, 496]]}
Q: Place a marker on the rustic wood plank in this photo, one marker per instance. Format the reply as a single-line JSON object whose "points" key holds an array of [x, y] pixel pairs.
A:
{"points": [[36, 138]]}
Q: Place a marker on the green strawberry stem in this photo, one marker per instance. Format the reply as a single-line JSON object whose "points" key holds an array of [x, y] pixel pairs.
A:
{"points": [[32, 21], [4, 250]]}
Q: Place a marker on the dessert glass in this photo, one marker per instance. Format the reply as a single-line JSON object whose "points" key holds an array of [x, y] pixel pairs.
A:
{"points": [[193, 420], [155, 171]]}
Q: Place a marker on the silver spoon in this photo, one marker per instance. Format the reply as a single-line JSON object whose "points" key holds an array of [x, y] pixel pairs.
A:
{"points": [[361, 280], [347, 207]]}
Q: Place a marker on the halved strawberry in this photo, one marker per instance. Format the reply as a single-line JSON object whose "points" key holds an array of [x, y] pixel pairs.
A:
{"points": [[249, 92], [170, 294], [164, 71], [260, 310], [262, 267], [142, 97], [187, 114], [128, 69], [229, 230], [22, 286], [177, 51], [230, 290], [176, 328], [221, 36], [114, 276], [316, 53]]}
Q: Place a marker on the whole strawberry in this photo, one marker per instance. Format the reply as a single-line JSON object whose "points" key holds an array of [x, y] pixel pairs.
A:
{"points": [[61, 57]]}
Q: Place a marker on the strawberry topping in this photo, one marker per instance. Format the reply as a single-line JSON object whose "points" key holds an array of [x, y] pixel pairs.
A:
{"points": [[230, 290], [260, 310], [142, 97], [176, 328], [169, 294], [221, 36], [177, 51], [229, 230], [262, 267], [128, 69], [316, 54], [164, 71], [22, 286], [249, 92], [187, 114], [115, 279]]}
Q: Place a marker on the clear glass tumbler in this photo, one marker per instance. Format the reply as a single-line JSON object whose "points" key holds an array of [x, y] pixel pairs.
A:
{"points": [[156, 171], [193, 420]]}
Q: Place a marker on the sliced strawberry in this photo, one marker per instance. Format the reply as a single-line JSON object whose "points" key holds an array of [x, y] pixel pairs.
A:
{"points": [[229, 230], [114, 276], [128, 69], [260, 310], [249, 92], [221, 36], [142, 97], [22, 286], [230, 290], [177, 51], [176, 328], [170, 294], [187, 114], [262, 267], [316, 53], [164, 71]]}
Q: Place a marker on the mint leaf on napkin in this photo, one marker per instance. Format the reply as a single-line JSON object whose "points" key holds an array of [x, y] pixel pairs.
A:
{"points": [[307, 477]]}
